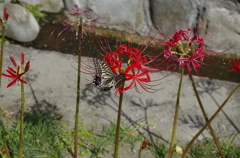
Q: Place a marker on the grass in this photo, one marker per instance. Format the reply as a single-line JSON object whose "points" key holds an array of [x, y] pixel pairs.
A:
{"points": [[46, 138], [41, 137], [201, 149], [5, 41]]}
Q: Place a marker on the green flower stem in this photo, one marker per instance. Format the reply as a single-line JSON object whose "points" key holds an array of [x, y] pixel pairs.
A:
{"points": [[6, 148], [139, 153], [175, 117], [2, 50], [78, 90], [206, 118], [118, 126], [20, 150], [209, 121]]}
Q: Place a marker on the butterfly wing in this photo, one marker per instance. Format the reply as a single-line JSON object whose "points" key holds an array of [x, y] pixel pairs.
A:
{"points": [[107, 86], [104, 71], [116, 81], [105, 78], [97, 64], [119, 80]]}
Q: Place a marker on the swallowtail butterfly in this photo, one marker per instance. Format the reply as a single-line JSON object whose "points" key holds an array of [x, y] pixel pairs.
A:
{"points": [[104, 78]]}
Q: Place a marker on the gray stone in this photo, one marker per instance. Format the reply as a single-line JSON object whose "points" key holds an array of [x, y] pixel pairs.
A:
{"points": [[122, 14], [218, 17], [21, 25], [172, 13], [52, 6], [223, 18]]}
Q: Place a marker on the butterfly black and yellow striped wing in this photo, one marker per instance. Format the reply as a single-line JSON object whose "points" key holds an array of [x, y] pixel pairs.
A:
{"points": [[116, 81], [103, 70], [105, 78], [119, 80]]}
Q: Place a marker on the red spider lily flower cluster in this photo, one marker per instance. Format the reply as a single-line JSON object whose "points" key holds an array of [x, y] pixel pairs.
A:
{"points": [[144, 144], [87, 19], [133, 63], [5, 16], [75, 19], [236, 65], [16, 75], [137, 69], [185, 49]]}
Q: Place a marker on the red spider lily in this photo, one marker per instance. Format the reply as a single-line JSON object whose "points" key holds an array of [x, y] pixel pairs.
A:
{"points": [[75, 19], [16, 75], [144, 144], [84, 18], [133, 63], [5, 16], [137, 69], [236, 65], [185, 49]]}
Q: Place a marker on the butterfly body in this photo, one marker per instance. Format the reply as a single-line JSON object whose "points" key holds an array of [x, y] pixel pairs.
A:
{"points": [[104, 78], [96, 81]]}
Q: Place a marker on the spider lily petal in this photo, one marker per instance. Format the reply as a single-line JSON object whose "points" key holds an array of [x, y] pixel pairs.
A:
{"points": [[236, 65], [15, 74], [13, 61], [5, 16]]}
